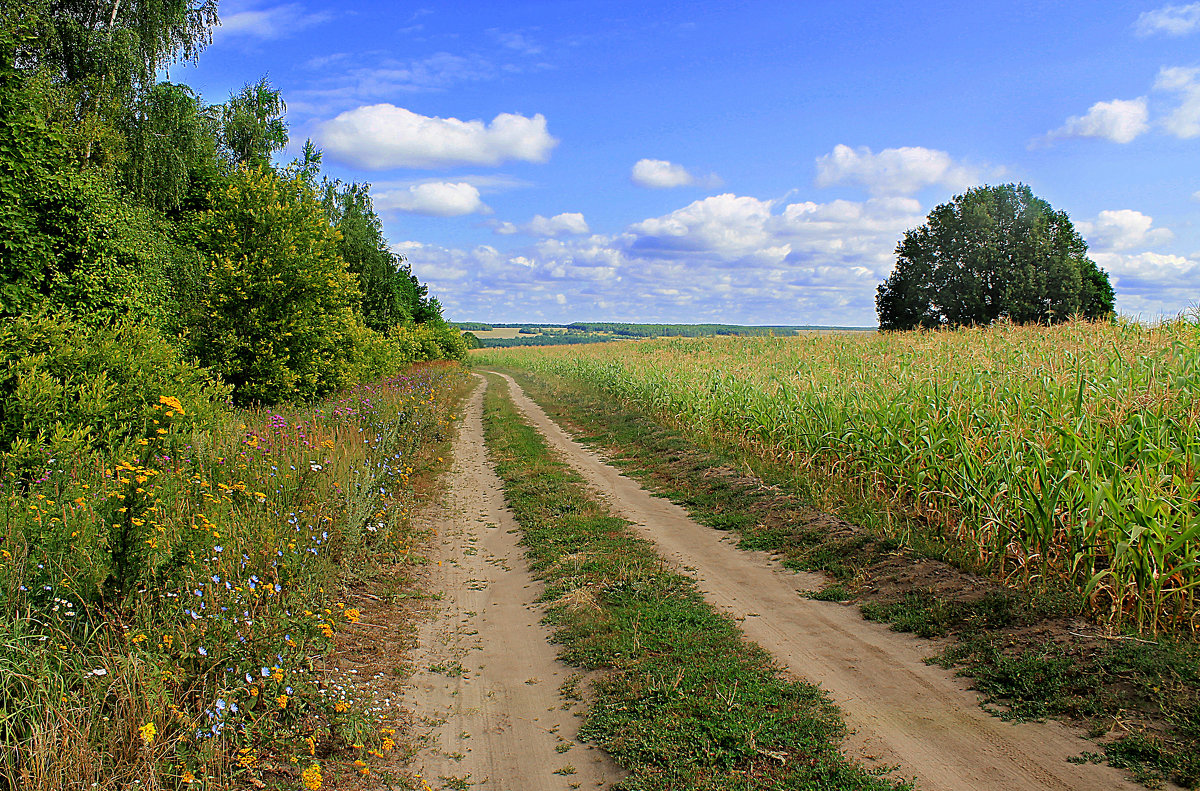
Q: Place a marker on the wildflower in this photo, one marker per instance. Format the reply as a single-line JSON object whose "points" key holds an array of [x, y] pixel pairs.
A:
{"points": [[148, 731], [282, 700], [172, 403], [326, 629], [352, 615], [311, 777], [188, 778], [362, 767]]}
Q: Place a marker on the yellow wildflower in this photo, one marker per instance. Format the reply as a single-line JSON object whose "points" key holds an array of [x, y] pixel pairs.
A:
{"points": [[311, 777], [188, 778], [147, 731], [171, 402], [282, 701], [352, 615]]}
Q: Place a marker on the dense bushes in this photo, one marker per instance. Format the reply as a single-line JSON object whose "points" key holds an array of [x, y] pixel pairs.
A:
{"points": [[277, 303], [68, 388]]}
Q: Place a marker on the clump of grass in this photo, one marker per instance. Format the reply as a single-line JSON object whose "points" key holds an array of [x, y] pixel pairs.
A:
{"points": [[684, 701]]}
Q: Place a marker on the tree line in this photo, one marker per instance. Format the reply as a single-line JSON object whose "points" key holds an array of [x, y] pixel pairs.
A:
{"points": [[132, 209]]}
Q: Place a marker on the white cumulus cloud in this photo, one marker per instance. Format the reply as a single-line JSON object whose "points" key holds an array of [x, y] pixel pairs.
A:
{"points": [[1122, 229], [893, 171], [384, 136], [1170, 20], [1184, 121], [434, 198], [560, 224], [1121, 121], [660, 174], [565, 224]]}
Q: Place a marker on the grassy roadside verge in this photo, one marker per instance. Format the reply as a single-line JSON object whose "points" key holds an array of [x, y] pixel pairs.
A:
{"points": [[1027, 649], [211, 667], [684, 701]]}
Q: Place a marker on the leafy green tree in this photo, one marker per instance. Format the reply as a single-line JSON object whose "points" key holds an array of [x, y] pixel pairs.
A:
{"points": [[391, 296], [277, 307], [171, 149], [68, 239], [991, 253], [252, 125], [100, 54]]}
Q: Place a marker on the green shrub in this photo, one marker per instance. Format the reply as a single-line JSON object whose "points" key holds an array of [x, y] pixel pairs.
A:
{"points": [[276, 308], [429, 341], [68, 239], [67, 387]]}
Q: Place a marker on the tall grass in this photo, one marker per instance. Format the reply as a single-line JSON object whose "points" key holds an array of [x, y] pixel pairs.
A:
{"points": [[166, 609], [1066, 453]]}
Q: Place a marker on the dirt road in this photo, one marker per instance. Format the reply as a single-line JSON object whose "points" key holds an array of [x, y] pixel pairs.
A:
{"points": [[486, 687], [903, 712]]}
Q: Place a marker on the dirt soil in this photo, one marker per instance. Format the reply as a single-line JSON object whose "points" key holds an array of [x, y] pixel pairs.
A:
{"points": [[484, 693], [903, 712]]}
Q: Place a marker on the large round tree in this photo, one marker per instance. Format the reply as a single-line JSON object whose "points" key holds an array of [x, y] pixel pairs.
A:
{"points": [[991, 253]]}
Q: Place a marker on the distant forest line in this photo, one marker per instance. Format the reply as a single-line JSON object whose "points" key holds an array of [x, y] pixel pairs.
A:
{"points": [[601, 332]]}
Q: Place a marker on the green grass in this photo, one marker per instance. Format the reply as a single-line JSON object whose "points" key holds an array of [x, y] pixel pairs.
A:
{"points": [[684, 701]]}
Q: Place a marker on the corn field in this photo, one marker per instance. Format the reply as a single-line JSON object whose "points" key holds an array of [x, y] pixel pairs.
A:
{"points": [[1056, 453]]}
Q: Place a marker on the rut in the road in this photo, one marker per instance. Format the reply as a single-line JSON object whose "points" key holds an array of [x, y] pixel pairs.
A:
{"points": [[904, 712], [487, 680]]}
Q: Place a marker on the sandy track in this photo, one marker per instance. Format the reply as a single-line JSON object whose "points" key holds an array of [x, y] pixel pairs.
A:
{"points": [[903, 712], [486, 686]]}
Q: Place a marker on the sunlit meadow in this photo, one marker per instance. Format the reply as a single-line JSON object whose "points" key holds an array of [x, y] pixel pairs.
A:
{"points": [[167, 607]]}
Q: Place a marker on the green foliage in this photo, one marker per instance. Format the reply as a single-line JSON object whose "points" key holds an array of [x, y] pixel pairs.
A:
{"points": [[101, 57], [430, 341], [390, 294], [68, 239], [110, 258], [252, 125], [991, 253], [277, 304], [172, 148], [1057, 455], [204, 619], [472, 341], [68, 388]]}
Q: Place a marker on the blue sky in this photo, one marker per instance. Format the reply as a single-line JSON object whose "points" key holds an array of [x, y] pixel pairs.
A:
{"points": [[740, 162]]}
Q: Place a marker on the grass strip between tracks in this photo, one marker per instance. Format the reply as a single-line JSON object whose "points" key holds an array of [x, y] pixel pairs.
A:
{"points": [[683, 700]]}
